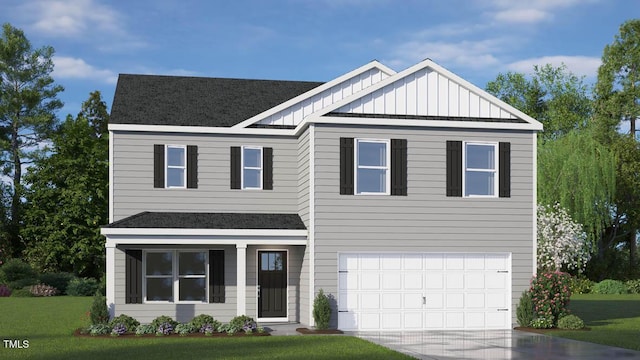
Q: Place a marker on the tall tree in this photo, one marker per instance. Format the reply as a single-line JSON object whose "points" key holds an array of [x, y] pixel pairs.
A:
{"points": [[28, 100], [617, 104], [68, 193]]}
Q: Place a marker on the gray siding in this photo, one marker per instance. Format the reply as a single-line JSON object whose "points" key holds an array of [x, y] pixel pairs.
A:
{"points": [[303, 177], [425, 220], [145, 313], [133, 176]]}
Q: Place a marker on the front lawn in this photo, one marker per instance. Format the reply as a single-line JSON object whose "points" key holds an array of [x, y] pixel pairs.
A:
{"points": [[48, 324], [614, 320]]}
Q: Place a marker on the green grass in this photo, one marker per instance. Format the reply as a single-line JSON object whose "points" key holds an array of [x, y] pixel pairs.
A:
{"points": [[48, 324], [614, 320]]}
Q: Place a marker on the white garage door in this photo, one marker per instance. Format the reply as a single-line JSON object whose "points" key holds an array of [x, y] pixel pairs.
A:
{"points": [[424, 291]]}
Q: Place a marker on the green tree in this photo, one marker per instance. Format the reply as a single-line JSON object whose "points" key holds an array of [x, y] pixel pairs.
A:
{"points": [[27, 105], [617, 104], [67, 195]]}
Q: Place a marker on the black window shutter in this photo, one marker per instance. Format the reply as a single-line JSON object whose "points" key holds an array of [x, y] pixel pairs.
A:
{"points": [[267, 170], [399, 167], [504, 171], [346, 166], [158, 166], [133, 276], [216, 276], [454, 168], [236, 167], [192, 167]]}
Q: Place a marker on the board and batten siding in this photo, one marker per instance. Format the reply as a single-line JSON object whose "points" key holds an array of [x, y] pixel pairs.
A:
{"points": [[133, 176], [425, 220], [294, 114], [429, 93], [145, 313]]}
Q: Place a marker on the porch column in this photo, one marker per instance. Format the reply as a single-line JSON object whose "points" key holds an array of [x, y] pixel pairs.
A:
{"points": [[110, 274], [241, 279]]}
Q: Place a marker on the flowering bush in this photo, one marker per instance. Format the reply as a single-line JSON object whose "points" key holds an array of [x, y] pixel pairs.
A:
{"points": [[145, 329], [542, 323], [119, 329], [550, 294], [164, 329], [43, 290], [164, 319], [242, 323], [208, 329], [562, 243], [5, 291], [126, 320], [201, 320]]}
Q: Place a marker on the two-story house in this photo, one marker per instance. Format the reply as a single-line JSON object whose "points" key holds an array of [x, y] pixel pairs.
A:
{"points": [[408, 196]]}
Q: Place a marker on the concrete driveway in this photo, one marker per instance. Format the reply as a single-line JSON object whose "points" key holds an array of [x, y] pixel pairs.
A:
{"points": [[494, 345]]}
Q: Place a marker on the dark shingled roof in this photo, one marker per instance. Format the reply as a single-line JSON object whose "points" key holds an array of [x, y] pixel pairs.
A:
{"points": [[187, 220], [424, 117], [197, 101]]}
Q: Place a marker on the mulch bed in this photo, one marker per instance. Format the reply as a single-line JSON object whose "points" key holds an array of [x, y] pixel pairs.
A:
{"points": [[134, 336], [306, 331], [545, 331]]}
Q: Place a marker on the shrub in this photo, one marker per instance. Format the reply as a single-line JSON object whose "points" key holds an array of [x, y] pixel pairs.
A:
{"points": [[131, 323], [242, 322], [209, 329], [164, 329], [542, 323], [163, 319], [18, 274], [524, 310], [82, 287], [632, 285], [59, 280], [201, 320], [24, 292], [550, 294], [99, 329], [185, 329], [321, 311], [145, 329], [5, 291], [43, 290], [99, 314], [580, 285], [570, 322], [119, 329], [610, 287]]}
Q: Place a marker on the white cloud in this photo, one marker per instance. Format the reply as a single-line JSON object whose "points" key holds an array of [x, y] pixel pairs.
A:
{"points": [[75, 68], [528, 12], [579, 65], [72, 18], [522, 15]]}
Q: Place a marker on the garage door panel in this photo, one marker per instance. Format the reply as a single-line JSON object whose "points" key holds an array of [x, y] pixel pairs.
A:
{"points": [[370, 262], [391, 321], [434, 320], [496, 300], [435, 301], [413, 262], [496, 280], [391, 281], [370, 301], [392, 262], [370, 280], [413, 321], [370, 321], [455, 281], [434, 261], [497, 319], [454, 320], [412, 301], [474, 300], [348, 281], [348, 301], [413, 280], [434, 280], [474, 262], [454, 262], [392, 301], [474, 280], [454, 300]]}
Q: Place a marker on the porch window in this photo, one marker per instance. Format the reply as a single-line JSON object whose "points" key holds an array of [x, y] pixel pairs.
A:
{"points": [[178, 275]]}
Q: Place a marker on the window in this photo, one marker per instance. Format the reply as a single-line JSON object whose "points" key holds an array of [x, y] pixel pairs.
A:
{"points": [[480, 161], [372, 167], [178, 275], [176, 166], [251, 167]]}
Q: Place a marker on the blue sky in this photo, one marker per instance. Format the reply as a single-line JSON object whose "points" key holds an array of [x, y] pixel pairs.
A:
{"points": [[316, 40]]}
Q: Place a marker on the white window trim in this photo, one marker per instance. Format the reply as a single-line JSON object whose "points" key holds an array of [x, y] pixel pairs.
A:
{"points": [[167, 166], [387, 168], [175, 276], [242, 167], [494, 170]]}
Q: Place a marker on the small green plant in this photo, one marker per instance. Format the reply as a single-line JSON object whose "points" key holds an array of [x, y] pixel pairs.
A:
{"points": [[145, 329], [99, 329], [24, 292], [580, 285], [550, 294], [98, 313], [185, 329], [59, 280], [321, 311], [18, 274], [524, 310], [242, 323], [163, 319], [82, 287], [542, 323], [632, 285], [131, 323], [5, 291], [200, 322], [570, 322], [610, 287], [43, 290]]}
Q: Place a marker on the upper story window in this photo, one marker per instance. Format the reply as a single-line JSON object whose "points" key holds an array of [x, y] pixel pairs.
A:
{"points": [[176, 166], [480, 160], [372, 167], [251, 167]]}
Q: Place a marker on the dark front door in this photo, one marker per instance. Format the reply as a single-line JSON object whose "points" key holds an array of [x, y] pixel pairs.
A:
{"points": [[272, 282]]}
